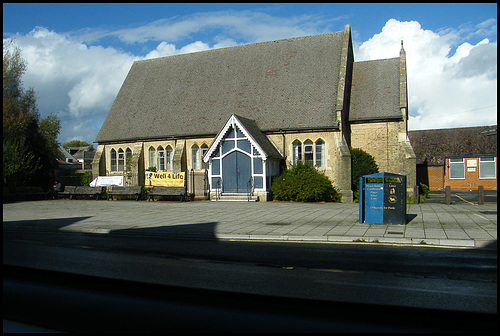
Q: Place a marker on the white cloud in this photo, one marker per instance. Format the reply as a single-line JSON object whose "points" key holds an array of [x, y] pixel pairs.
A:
{"points": [[452, 82], [76, 81], [444, 90], [169, 49], [80, 82], [248, 26]]}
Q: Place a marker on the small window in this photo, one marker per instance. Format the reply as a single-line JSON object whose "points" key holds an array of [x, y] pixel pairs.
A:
{"points": [[308, 152], [169, 158], [457, 168], [204, 150], [196, 157], [152, 157], [161, 159], [121, 160], [297, 151], [113, 160], [320, 153], [128, 158], [487, 167]]}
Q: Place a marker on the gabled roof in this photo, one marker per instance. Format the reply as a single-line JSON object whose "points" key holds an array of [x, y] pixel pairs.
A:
{"points": [[249, 128], [433, 146], [284, 84], [79, 152], [65, 156], [375, 90]]}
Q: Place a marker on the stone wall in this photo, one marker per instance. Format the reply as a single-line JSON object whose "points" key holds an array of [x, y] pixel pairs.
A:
{"points": [[388, 143], [338, 157]]}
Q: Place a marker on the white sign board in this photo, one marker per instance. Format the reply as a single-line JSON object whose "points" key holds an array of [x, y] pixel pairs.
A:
{"points": [[472, 163], [104, 181]]}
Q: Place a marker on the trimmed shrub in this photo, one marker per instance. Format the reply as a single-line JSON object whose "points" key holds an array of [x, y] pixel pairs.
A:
{"points": [[303, 183]]}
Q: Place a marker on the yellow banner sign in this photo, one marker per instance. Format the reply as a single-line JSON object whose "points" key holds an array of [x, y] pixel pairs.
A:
{"points": [[163, 179]]}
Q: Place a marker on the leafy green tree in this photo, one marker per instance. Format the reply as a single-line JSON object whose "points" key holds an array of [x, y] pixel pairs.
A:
{"points": [[362, 163], [18, 161], [76, 143], [19, 105], [29, 144], [49, 129], [303, 183]]}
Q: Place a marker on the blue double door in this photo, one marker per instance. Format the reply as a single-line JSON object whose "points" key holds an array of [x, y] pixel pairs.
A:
{"points": [[236, 172]]}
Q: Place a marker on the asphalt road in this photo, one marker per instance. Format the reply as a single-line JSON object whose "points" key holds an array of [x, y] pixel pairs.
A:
{"points": [[421, 277]]}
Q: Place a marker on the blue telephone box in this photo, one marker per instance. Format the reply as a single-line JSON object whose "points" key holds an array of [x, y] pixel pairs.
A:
{"points": [[382, 199]]}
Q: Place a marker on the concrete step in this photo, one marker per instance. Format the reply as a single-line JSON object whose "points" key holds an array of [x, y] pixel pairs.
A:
{"points": [[233, 197]]}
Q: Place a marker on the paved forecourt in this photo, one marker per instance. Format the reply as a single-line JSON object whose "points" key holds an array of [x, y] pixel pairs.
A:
{"points": [[458, 225]]}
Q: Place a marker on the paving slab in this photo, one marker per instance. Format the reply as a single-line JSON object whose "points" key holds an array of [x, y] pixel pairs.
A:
{"points": [[429, 224]]}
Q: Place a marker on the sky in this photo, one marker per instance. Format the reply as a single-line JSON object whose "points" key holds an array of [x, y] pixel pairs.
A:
{"points": [[78, 55]]}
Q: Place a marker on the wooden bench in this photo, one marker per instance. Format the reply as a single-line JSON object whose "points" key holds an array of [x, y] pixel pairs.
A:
{"points": [[125, 191], [68, 191], [167, 191], [82, 191]]}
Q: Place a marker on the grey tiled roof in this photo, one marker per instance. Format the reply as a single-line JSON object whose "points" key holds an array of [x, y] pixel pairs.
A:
{"points": [[432, 146], [375, 90], [284, 84]]}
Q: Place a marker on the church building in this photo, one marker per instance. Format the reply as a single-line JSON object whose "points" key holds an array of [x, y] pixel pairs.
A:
{"points": [[233, 118]]}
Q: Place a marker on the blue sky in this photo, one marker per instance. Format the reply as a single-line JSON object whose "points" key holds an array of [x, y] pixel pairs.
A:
{"points": [[79, 54]]}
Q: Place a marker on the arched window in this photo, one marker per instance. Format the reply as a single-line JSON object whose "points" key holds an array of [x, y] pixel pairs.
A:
{"points": [[204, 150], [196, 157], [128, 158], [297, 151], [161, 159], [121, 160], [113, 160], [308, 152], [320, 153], [169, 158], [152, 157]]}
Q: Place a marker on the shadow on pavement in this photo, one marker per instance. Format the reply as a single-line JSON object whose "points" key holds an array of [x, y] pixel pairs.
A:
{"points": [[205, 231], [42, 224], [410, 217]]}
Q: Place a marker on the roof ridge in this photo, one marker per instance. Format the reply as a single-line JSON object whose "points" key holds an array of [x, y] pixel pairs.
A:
{"points": [[239, 45], [377, 60]]}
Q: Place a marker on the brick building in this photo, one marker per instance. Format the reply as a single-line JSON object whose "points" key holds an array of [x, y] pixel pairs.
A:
{"points": [[462, 158], [234, 117]]}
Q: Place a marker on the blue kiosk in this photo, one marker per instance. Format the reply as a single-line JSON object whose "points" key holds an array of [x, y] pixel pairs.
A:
{"points": [[382, 199]]}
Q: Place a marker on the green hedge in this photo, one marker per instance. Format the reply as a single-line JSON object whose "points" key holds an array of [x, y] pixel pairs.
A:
{"points": [[303, 183]]}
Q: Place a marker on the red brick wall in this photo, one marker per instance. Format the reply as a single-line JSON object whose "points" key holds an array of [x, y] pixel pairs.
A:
{"points": [[471, 181], [436, 177]]}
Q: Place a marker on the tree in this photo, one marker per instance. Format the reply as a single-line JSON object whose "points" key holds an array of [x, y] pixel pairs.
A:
{"points": [[30, 147], [362, 163], [17, 159], [49, 129], [76, 143], [19, 106]]}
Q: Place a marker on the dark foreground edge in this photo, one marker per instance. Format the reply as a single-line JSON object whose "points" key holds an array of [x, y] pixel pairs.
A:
{"points": [[78, 303]]}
